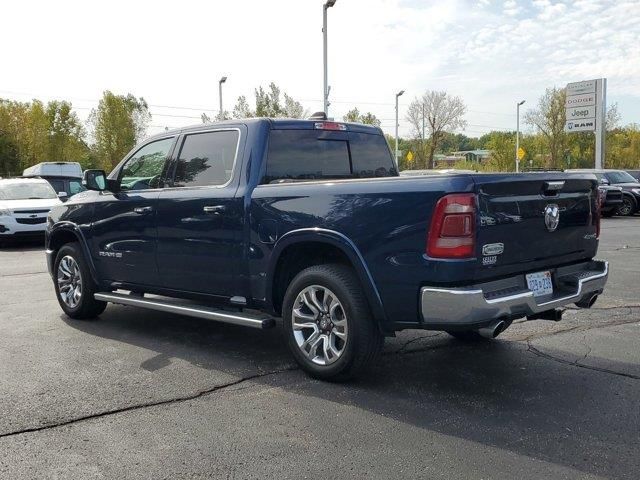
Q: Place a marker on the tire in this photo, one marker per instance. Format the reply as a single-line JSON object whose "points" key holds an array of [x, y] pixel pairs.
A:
{"points": [[337, 351], [469, 336], [627, 208], [77, 303]]}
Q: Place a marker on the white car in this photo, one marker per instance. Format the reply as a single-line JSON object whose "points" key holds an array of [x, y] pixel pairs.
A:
{"points": [[24, 206]]}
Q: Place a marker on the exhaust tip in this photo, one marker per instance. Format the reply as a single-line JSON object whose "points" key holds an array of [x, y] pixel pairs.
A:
{"points": [[493, 330], [587, 302]]}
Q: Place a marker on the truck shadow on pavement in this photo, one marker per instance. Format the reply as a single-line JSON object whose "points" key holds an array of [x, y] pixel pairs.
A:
{"points": [[497, 394]]}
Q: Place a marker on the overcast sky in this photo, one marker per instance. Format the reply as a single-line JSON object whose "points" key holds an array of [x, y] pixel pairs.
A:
{"points": [[490, 53]]}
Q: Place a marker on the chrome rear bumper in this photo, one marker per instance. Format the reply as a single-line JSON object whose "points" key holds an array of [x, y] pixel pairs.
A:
{"points": [[510, 298]]}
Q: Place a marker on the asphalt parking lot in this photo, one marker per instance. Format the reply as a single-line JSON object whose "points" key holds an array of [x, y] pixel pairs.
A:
{"points": [[140, 394]]}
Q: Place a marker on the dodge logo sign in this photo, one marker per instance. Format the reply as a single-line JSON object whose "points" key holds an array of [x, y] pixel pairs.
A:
{"points": [[551, 217]]}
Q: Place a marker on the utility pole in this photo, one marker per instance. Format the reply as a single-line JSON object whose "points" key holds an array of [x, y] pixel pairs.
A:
{"points": [[396, 153], [518, 134], [424, 139], [221, 112], [601, 115], [325, 88]]}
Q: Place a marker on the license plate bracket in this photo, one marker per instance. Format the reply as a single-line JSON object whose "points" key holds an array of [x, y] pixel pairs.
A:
{"points": [[540, 283]]}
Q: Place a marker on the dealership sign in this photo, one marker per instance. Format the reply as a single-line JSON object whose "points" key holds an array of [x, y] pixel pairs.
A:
{"points": [[588, 125], [585, 107], [577, 113], [581, 106]]}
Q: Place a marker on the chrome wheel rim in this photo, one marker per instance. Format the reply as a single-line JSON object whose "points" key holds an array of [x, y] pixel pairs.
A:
{"points": [[319, 324], [625, 208], [69, 282]]}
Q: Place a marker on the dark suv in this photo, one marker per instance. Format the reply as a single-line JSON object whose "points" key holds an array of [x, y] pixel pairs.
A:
{"points": [[619, 178]]}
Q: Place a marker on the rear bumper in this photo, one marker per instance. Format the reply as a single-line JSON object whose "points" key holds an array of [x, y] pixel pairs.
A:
{"points": [[510, 298]]}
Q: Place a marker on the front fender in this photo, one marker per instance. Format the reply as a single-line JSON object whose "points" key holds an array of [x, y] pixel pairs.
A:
{"points": [[344, 244], [59, 234]]}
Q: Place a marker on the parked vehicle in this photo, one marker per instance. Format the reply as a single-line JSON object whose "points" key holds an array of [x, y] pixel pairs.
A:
{"points": [[24, 205], [610, 199], [635, 174], [307, 221], [64, 177], [630, 187]]}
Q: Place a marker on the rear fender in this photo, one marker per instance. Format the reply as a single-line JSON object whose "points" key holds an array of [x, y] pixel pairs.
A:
{"points": [[346, 246]]}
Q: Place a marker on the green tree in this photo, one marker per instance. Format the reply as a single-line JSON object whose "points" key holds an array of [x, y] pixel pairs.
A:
{"points": [[549, 119], [117, 125], [242, 109], [503, 147], [66, 135], [269, 104], [9, 160], [355, 116]]}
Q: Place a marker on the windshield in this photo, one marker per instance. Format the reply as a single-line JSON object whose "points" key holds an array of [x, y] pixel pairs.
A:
{"points": [[620, 177], [26, 191]]}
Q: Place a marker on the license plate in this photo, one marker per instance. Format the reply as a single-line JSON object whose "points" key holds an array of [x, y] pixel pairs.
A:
{"points": [[540, 283]]}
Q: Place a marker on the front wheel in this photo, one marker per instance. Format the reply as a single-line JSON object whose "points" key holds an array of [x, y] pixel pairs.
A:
{"points": [[328, 324], [74, 285], [626, 208]]}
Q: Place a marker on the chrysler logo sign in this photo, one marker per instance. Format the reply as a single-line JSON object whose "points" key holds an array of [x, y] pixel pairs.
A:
{"points": [[551, 217]]}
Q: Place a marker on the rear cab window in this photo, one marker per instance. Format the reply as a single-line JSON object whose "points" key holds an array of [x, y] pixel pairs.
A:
{"points": [[313, 154]]}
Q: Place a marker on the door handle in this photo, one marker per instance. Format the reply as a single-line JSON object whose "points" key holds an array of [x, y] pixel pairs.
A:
{"points": [[143, 210], [214, 209]]}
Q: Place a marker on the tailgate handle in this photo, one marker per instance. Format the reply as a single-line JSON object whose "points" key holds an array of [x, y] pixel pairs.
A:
{"points": [[552, 188]]}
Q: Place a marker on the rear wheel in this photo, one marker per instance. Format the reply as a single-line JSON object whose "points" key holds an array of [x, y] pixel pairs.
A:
{"points": [[627, 208], [74, 285], [328, 323]]}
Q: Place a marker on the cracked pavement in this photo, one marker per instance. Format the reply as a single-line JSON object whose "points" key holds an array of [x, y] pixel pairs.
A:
{"points": [[141, 394]]}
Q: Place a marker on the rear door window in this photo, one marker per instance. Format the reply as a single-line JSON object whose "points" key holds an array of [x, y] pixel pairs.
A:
{"points": [[206, 159], [297, 155]]}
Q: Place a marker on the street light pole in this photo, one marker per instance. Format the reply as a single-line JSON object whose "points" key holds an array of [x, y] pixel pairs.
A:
{"points": [[518, 134], [325, 88], [396, 156], [221, 112]]}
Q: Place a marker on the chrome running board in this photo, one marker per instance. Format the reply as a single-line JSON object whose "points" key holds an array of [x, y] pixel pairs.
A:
{"points": [[189, 309]]}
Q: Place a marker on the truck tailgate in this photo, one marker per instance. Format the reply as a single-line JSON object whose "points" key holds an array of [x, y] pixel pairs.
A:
{"points": [[528, 218]]}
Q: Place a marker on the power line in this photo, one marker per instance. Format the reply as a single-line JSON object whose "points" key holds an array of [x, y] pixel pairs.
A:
{"points": [[207, 109]]}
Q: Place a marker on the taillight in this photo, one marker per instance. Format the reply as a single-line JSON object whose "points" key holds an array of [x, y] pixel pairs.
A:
{"points": [[453, 226], [329, 126]]}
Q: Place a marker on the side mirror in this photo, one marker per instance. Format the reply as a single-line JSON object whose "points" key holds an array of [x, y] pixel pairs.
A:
{"points": [[604, 181], [63, 196], [94, 180]]}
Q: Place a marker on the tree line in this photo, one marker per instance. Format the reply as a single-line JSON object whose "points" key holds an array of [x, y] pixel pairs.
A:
{"points": [[33, 132], [434, 115]]}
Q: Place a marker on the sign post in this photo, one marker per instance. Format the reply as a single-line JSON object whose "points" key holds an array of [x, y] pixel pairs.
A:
{"points": [[585, 108], [601, 114]]}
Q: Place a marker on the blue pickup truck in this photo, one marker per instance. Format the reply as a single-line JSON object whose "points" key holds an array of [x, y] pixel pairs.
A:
{"points": [[306, 224]]}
